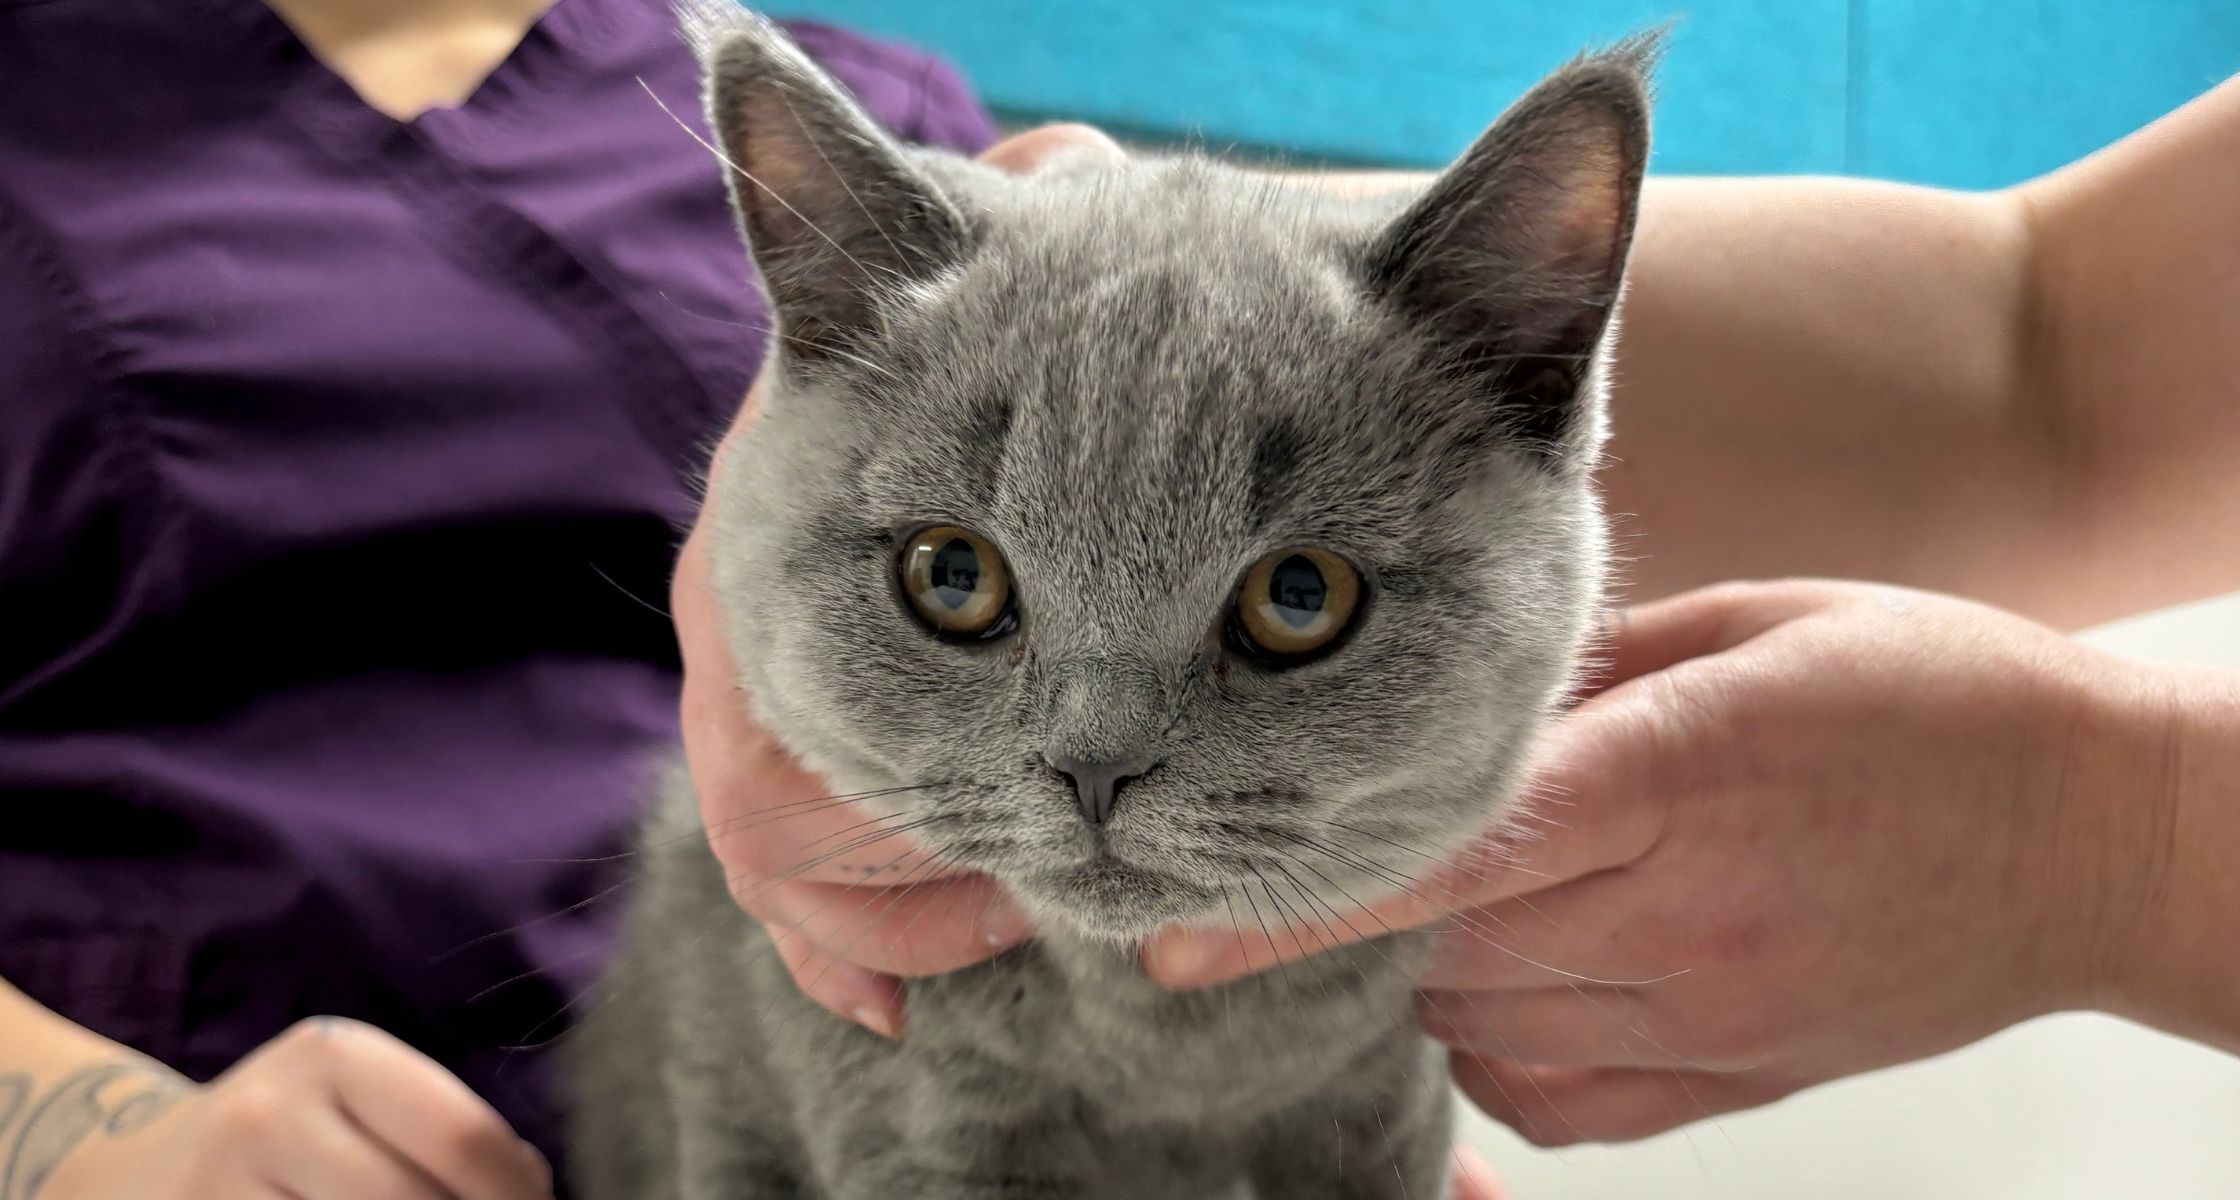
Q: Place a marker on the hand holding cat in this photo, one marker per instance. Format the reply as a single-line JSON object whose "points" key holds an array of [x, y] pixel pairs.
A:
{"points": [[1801, 831]]}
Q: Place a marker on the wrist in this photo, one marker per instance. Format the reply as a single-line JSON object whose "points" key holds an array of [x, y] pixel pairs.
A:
{"points": [[67, 1096], [2168, 957]]}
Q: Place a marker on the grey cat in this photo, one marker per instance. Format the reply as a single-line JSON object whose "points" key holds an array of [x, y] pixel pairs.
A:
{"points": [[1173, 544]]}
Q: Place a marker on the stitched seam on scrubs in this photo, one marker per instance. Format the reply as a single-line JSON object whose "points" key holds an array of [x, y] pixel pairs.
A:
{"points": [[128, 453], [626, 329], [464, 220]]}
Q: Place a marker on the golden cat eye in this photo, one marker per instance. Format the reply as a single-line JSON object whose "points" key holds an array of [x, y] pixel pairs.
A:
{"points": [[956, 583], [1295, 602]]}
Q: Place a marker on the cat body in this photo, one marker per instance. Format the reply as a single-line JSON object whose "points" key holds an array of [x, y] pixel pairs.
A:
{"points": [[1056, 1070], [1171, 544]]}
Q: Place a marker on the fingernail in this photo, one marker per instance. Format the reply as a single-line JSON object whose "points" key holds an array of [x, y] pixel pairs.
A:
{"points": [[1002, 925], [875, 1019]]}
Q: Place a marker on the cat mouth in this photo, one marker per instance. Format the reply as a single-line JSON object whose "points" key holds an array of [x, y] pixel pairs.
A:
{"points": [[1110, 892]]}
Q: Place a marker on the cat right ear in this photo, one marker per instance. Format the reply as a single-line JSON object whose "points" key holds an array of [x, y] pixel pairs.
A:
{"points": [[834, 214], [1512, 261]]}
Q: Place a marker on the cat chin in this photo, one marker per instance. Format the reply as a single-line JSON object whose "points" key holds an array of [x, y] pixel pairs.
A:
{"points": [[1114, 903]]}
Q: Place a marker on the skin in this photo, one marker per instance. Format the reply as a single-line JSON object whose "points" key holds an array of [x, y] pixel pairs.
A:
{"points": [[2023, 397], [330, 1110], [404, 57], [1688, 928]]}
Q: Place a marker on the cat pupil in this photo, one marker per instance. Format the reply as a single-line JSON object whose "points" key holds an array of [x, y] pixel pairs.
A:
{"points": [[956, 573], [1298, 590]]}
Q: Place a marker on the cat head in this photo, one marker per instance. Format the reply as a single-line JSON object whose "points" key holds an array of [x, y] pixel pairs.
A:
{"points": [[1178, 537]]}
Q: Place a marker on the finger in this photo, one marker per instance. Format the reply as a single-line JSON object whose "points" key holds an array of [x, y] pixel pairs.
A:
{"points": [[420, 1113], [1035, 148], [1603, 807], [850, 992], [325, 1155], [766, 820], [1662, 634], [1473, 1179], [1550, 1109], [1565, 1026], [912, 930], [1589, 931]]}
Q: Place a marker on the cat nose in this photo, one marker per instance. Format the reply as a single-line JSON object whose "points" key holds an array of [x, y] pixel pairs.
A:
{"points": [[1097, 782]]}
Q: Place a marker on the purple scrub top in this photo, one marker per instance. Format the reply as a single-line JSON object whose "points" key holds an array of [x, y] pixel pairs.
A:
{"points": [[342, 461]]}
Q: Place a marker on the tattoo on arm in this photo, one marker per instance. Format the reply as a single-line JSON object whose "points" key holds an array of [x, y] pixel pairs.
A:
{"points": [[110, 1099]]}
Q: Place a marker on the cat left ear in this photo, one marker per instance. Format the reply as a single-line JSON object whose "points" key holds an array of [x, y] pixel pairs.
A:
{"points": [[1513, 259], [834, 213]]}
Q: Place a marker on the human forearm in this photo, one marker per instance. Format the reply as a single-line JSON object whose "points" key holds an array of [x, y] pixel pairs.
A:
{"points": [[329, 1109], [1824, 377], [2177, 966], [54, 1076], [2137, 259], [37, 1046], [2031, 397]]}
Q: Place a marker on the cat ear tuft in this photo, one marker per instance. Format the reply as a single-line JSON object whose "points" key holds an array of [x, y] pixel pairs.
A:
{"points": [[834, 213], [1513, 259]]}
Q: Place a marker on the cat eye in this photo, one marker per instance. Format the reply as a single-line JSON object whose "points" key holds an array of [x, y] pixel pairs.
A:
{"points": [[957, 583], [1294, 604]]}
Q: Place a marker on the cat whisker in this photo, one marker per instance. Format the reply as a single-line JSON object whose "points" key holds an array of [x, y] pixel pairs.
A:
{"points": [[925, 871], [817, 144], [687, 310], [747, 175], [853, 845], [495, 934], [1294, 924], [752, 819], [526, 1042], [1358, 906], [1469, 919], [603, 893], [634, 597], [1469, 999]]}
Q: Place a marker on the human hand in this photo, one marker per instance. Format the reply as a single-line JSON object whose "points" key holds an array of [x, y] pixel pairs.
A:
{"points": [[1806, 830], [330, 1110], [848, 909]]}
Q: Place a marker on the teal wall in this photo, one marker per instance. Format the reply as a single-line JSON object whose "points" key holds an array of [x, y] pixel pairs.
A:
{"points": [[1965, 93]]}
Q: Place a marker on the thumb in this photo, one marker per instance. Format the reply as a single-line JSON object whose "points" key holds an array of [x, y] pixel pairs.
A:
{"points": [[1601, 779], [1601, 808]]}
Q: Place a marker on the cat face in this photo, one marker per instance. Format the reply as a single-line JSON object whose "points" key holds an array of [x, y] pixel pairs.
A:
{"points": [[1186, 544]]}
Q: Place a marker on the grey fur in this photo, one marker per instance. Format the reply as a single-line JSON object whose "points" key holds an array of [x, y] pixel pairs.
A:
{"points": [[1135, 382]]}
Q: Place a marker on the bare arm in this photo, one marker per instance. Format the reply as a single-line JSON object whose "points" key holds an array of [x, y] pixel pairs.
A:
{"points": [[330, 1109], [2176, 969], [2027, 397], [55, 1081]]}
